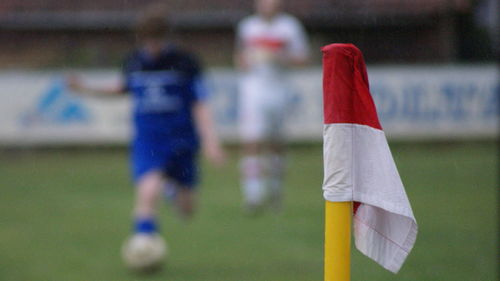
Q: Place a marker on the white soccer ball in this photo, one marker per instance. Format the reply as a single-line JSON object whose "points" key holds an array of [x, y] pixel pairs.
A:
{"points": [[144, 252]]}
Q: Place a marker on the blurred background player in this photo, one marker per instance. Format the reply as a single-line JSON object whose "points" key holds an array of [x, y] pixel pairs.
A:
{"points": [[170, 116], [268, 43]]}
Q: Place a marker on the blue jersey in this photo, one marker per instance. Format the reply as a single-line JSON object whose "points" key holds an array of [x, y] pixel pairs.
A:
{"points": [[164, 90]]}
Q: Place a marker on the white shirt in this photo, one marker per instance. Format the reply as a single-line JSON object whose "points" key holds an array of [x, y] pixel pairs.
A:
{"points": [[263, 42]]}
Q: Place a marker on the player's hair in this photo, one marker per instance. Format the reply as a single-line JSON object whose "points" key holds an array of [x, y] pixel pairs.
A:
{"points": [[152, 23]]}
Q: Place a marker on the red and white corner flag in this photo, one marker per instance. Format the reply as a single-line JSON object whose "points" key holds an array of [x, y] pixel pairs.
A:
{"points": [[358, 164]]}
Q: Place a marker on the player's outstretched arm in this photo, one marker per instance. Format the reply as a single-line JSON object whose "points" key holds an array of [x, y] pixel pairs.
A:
{"points": [[77, 85], [206, 128]]}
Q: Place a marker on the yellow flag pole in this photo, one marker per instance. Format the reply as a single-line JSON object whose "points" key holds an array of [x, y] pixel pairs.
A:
{"points": [[338, 241]]}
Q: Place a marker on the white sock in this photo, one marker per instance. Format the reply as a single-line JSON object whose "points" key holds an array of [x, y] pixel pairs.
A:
{"points": [[252, 181]]}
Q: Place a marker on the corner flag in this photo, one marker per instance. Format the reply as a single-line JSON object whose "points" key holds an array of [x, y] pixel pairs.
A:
{"points": [[358, 165]]}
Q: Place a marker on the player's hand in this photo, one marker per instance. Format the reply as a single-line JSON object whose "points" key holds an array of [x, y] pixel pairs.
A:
{"points": [[214, 153], [74, 83]]}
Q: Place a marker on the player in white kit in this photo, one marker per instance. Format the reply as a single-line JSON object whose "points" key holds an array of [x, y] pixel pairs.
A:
{"points": [[268, 43]]}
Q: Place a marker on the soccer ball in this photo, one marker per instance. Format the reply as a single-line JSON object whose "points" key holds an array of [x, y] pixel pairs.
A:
{"points": [[144, 252]]}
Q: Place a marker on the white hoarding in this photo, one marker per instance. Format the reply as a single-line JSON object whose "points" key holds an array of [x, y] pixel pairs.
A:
{"points": [[413, 102]]}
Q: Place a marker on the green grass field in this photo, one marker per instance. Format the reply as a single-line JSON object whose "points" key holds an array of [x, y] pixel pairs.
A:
{"points": [[65, 213]]}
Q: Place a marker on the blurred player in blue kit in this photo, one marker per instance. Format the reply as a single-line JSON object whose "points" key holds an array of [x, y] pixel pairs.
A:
{"points": [[171, 119]]}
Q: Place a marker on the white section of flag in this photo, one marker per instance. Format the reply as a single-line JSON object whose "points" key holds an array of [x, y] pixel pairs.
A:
{"points": [[359, 167]]}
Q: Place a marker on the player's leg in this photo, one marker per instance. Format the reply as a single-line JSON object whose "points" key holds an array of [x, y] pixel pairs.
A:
{"points": [[252, 171], [145, 249], [182, 172], [251, 131], [186, 202], [276, 165], [148, 191], [275, 147], [146, 160]]}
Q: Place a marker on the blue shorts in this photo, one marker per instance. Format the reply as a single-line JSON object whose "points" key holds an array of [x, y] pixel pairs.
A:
{"points": [[177, 162]]}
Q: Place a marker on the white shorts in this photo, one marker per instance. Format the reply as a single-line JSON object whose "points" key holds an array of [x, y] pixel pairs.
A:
{"points": [[262, 109]]}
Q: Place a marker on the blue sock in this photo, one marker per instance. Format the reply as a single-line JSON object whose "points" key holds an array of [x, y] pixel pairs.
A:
{"points": [[145, 225]]}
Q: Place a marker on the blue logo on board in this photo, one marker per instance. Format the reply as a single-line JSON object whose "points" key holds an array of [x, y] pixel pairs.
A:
{"points": [[56, 106]]}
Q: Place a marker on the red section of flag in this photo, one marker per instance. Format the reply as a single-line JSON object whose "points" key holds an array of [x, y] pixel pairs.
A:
{"points": [[346, 91]]}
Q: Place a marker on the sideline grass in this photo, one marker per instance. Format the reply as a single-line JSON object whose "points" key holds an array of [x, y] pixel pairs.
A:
{"points": [[64, 215]]}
